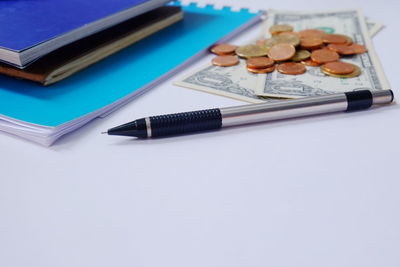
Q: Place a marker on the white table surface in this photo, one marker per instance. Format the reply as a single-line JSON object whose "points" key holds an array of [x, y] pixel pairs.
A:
{"points": [[320, 191]]}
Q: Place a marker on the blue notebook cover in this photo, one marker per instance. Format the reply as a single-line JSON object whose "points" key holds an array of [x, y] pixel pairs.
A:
{"points": [[51, 18], [122, 73]]}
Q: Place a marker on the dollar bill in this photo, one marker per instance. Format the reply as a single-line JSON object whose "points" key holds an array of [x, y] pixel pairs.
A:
{"points": [[373, 27], [314, 82], [234, 82]]}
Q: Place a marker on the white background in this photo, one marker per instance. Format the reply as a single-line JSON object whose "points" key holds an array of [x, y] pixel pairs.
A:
{"points": [[311, 192]]}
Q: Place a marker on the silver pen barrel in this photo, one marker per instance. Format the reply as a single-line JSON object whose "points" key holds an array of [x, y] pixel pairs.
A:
{"points": [[254, 113]]}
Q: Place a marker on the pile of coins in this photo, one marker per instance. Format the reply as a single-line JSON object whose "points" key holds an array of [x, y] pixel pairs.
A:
{"points": [[292, 51]]}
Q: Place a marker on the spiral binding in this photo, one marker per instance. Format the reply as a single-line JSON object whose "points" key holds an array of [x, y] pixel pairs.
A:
{"points": [[218, 6]]}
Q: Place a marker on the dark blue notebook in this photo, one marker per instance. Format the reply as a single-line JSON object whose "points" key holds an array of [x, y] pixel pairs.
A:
{"points": [[26, 24]]}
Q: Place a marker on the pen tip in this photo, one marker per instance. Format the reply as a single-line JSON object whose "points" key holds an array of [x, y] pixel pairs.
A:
{"points": [[103, 132]]}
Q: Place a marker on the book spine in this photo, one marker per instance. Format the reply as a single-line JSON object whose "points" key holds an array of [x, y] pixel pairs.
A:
{"points": [[21, 74]]}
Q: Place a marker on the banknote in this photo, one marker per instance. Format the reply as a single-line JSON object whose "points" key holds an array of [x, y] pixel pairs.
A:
{"points": [[234, 82], [373, 27], [314, 82]]}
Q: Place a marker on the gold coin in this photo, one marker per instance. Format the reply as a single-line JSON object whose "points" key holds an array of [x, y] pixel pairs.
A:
{"points": [[260, 62], [268, 43], [283, 38], [355, 73], [225, 61], [260, 71], [223, 49], [276, 29], [301, 55], [291, 68], [281, 52], [286, 39], [290, 33], [249, 51]]}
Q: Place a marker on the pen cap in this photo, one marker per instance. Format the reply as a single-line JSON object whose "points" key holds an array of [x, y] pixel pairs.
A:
{"points": [[363, 99], [382, 97]]}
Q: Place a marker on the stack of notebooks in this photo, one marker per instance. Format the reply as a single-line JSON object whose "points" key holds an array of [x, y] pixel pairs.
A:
{"points": [[54, 48], [43, 49]]}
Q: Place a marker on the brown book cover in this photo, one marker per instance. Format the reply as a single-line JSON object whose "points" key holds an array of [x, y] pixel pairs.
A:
{"points": [[76, 56]]}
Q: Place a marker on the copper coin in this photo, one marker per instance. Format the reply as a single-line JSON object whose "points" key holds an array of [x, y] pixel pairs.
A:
{"points": [[311, 42], [338, 67], [345, 49], [282, 52], [358, 49], [311, 33], [260, 71], [324, 56], [355, 73], [291, 68], [309, 62], [349, 40], [342, 49], [260, 62], [260, 42], [225, 61], [223, 49], [335, 39]]}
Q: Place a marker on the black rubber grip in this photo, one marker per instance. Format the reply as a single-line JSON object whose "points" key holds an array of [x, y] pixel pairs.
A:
{"points": [[358, 100], [186, 122]]}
